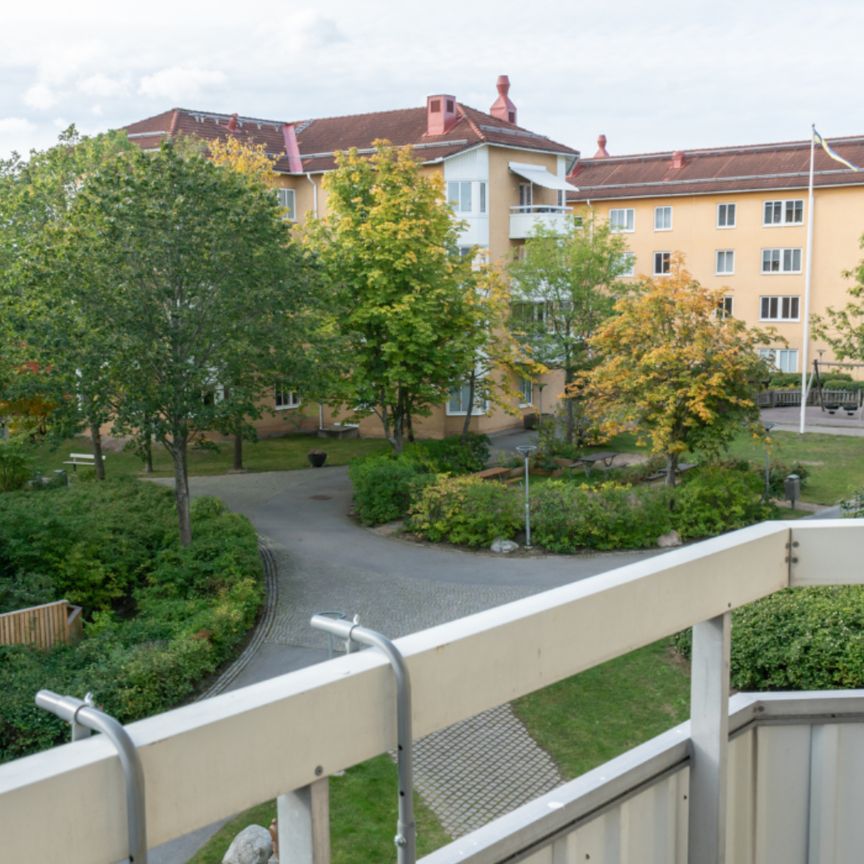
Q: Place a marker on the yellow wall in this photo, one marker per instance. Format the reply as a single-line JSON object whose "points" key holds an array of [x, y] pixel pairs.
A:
{"points": [[839, 224]]}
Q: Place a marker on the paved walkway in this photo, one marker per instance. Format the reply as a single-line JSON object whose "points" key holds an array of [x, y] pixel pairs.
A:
{"points": [[325, 561]]}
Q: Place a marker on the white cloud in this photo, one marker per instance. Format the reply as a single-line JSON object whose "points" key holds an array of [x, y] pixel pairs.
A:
{"points": [[178, 83], [102, 86], [40, 96], [15, 125]]}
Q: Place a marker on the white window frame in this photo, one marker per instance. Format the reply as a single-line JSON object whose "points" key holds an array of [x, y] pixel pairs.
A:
{"points": [[481, 405], [725, 306], [629, 221], [725, 209], [665, 210], [780, 358], [526, 388], [628, 260], [668, 261], [285, 399], [287, 199], [784, 205], [460, 194], [780, 307], [730, 255], [781, 255]]}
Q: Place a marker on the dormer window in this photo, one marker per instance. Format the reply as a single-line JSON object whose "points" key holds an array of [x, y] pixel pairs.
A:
{"points": [[435, 106]]}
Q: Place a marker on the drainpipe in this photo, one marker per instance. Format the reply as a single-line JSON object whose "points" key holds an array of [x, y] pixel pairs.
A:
{"points": [[314, 194]]}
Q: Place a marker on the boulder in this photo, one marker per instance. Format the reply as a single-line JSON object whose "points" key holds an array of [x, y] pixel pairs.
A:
{"points": [[251, 846], [667, 541], [499, 544]]}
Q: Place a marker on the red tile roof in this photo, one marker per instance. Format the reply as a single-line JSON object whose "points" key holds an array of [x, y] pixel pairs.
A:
{"points": [[319, 139], [727, 169]]}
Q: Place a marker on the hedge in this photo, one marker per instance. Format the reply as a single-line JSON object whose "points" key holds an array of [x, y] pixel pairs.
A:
{"points": [[159, 619]]}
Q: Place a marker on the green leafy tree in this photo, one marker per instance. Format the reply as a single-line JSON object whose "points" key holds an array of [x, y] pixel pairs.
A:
{"points": [[843, 329], [198, 283], [402, 293], [563, 288], [673, 369]]}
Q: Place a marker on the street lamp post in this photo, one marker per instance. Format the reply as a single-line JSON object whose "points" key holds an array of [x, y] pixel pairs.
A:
{"points": [[525, 450]]}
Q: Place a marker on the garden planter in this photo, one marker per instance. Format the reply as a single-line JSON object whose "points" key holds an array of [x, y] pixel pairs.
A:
{"points": [[317, 458]]}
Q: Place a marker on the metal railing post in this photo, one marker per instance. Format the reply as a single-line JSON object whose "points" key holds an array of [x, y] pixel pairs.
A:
{"points": [[406, 829], [83, 716], [709, 740]]}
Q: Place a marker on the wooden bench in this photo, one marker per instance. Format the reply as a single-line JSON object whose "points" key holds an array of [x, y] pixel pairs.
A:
{"points": [[492, 474], [86, 460]]}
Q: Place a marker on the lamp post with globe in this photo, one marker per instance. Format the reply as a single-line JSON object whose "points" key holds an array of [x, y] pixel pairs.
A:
{"points": [[525, 450]]}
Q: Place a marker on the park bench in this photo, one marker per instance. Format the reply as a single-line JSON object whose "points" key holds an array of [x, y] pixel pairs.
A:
{"points": [[87, 460], [493, 474], [587, 462]]}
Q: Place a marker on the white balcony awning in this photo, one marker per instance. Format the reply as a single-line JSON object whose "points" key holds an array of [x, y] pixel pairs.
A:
{"points": [[541, 177]]}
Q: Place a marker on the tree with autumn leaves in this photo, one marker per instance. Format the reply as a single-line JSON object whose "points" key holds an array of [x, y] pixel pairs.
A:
{"points": [[674, 369]]}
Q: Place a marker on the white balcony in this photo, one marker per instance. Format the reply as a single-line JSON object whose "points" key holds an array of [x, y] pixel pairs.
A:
{"points": [[762, 779], [524, 219]]}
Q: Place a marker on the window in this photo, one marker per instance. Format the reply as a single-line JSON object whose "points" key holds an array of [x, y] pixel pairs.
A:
{"points": [[526, 392], [725, 215], [622, 219], [457, 403], [482, 197], [662, 263], [662, 218], [459, 195], [725, 261], [781, 260], [782, 359], [528, 315], [789, 212], [627, 264], [525, 195], [778, 308], [724, 307], [285, 197], [285, 398]]}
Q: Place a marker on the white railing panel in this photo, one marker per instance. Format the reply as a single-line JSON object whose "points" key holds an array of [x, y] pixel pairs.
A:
{"points": [[829, 552]]}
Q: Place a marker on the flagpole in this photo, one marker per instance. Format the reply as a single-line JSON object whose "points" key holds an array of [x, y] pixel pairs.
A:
{"points": [[808, 278]]}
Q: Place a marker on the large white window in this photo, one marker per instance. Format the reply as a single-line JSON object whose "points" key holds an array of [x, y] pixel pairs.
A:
{"points": [[782, 359], [725, 262], [526, 195], [526, 392], [622, 219], [286, 199], [778, 309], [457, 402], [662, 263], [627, 264], [662, 218], [284, 397], [781, 260], [462, 196], [786, 212], [725, 215], [724, 307]]}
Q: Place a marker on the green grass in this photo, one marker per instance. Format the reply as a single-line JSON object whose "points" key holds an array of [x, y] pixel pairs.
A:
{"points": [[269, 454], [362, 819], [599, 714]]}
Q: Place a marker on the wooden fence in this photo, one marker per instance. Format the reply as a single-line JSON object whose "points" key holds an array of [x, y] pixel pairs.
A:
{"points": [[42, 626]]}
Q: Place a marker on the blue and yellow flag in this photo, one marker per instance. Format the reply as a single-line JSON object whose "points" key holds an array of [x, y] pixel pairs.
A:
{"points": [[834, 155]]}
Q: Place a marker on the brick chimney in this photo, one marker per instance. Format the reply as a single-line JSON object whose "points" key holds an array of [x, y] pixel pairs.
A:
{"points": [[678, 159], [502, 107], [601, 148], [441, 114], [232, 123]]}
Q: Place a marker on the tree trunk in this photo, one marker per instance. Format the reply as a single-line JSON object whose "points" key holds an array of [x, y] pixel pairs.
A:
{"points": [[409, 425], [571, 419], [99, 460], [671, 468], [178, 449], [238, 448], [466, 426], [148, 454]]}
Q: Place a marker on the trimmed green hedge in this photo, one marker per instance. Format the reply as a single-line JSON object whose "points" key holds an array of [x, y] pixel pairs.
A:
{"points": [[159, 619]]}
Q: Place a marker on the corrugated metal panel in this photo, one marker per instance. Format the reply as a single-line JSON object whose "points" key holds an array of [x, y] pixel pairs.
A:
{"points": [[740, 798]]}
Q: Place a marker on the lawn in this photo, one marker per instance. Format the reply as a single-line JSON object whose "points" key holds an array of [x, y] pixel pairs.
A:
{"points": [[362, 819], [269, 454]]}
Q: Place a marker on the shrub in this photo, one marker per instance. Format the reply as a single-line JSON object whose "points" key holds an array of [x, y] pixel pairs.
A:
{"points": [[384, 486], [567, 517], [717, 499], [14, 467], [466, 510], [451, 455], [845, 383], [798, 639]]}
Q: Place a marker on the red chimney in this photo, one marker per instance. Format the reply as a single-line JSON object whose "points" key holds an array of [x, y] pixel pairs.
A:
{"points": [[441, 114], [601, 148], [232, 123], [678, 159], [502, 107], [292, 148]]}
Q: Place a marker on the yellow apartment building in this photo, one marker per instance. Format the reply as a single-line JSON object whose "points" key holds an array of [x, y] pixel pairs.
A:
{"points": [[501, 179], [739, 216]]}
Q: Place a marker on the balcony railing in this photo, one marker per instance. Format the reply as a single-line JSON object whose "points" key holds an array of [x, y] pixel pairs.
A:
{"points": [[524, 219], [692, 795]]}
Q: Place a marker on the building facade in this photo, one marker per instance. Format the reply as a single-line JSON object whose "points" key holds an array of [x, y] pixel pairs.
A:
{"points": [[739, 216], [501, 180]]}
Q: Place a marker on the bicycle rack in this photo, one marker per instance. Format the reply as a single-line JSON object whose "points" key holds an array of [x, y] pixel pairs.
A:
{"points": [[406, 828], [84, 718]]}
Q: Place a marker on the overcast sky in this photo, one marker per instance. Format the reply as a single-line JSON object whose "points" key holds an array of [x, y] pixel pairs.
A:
{"points": [[651, 76]]}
